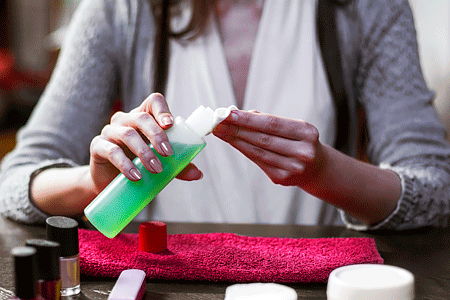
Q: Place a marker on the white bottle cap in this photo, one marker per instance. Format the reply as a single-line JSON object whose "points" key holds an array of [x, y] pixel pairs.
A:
{"points": [[370, 282], [200, 120], [260, 291]]}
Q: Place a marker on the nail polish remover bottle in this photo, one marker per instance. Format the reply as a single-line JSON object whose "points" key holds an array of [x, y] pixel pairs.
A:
{"points": [[64, 230], [123, 199]]}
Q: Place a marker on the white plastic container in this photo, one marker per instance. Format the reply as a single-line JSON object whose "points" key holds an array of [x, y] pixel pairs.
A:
{"points": [[370, 282]]}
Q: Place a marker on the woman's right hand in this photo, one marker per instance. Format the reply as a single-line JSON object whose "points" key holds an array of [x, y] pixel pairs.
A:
{"points": [[127, 136]]}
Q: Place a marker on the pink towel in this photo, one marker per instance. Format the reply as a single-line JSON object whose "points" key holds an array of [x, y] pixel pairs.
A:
{"points": [[225, 257]]}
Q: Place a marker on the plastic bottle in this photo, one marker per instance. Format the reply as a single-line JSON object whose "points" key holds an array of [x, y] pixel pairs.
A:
{"points": [[122, 199]]}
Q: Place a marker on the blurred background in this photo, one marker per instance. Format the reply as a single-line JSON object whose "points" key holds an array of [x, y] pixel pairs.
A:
{"points": [[31, 32]]}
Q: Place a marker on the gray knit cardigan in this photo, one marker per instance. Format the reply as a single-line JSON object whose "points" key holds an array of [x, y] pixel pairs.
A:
{"points": [[109, 44]]}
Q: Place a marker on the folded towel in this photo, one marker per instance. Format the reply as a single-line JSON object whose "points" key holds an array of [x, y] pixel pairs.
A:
{"points": [[225, 257]]}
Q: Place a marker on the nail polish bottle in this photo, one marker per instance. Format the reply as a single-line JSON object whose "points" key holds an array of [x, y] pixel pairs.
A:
{"points": [[123, 199], [65, 231], [48, 274], [25, 273]]}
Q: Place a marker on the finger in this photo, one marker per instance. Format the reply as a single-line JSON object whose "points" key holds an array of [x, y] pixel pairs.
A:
{"points": [[156, 105], [258, 154], [130, 138], [303, 150], [191, 172], [145, 124], [283, 127], [106, 152], [277, 175]]}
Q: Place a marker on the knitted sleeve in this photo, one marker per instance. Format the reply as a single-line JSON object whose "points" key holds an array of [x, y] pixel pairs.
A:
{"points": [[404, 131], [73, 108]]}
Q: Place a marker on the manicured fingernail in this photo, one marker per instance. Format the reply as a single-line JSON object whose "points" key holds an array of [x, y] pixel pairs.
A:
{"points": [[168, 120], [136, 174], [166, 148], [234, 116], [156, 165]]}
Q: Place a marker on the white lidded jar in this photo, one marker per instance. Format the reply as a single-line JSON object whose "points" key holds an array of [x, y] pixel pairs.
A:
{"points": [[370, 282]]}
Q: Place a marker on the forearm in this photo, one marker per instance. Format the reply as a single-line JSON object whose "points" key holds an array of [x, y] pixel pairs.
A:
{"points": [[367, 192], [62, 191]]}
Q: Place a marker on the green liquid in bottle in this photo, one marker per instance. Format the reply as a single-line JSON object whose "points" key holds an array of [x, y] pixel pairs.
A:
{"points": [[122, 199]]}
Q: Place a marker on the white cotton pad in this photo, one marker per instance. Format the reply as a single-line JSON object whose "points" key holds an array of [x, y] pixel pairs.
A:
{"points": [[260, 291], [370, 282], [203, 120]]}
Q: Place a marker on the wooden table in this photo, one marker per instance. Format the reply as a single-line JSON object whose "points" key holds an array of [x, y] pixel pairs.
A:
{"points": [[424, 252]]}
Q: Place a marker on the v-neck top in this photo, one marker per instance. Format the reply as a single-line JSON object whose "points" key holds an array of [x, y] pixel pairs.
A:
{"points": [[238, 23], [286, 77]]}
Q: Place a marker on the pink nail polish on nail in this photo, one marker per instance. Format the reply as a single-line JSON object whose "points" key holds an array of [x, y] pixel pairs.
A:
{"points": [[167, 120], [136, 174], [234, 116], [157, 167], [165, 147]]}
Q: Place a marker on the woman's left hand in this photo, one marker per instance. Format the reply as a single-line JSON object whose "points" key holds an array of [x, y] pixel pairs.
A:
{"points": [[287, 150]]}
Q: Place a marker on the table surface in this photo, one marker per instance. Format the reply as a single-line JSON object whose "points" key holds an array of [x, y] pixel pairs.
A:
{"points": [[424, 252]]}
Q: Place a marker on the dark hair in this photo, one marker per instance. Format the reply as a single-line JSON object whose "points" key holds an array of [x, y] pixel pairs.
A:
{"points": [[162, 12]]}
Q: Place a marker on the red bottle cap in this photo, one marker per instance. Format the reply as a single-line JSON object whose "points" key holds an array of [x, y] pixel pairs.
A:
{"points": [[152, 236]]}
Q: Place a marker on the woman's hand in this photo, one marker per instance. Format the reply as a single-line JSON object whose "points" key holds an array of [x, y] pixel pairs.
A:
{"points": [[128, 136], [287, 150], [290, 153]]}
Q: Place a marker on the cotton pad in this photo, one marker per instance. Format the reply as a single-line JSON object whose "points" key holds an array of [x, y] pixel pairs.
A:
{"points": [[260, 291]]}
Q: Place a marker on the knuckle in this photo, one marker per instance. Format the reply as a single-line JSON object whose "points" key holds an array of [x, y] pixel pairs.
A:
{"points": [[265, 140], [259, 153], [281, 177], [128, 133], [142, 117], [244, 118], [116, 117], [155, 97], [122, 164], [235, 131], [106, 130], [94, 144], [145, 153], [309, 153], [272, 123], [154, 101], [158, 135], [297, 168], [112, 151]]}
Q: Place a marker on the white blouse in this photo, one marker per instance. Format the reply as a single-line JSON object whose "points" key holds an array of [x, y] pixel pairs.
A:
{"points": [[286, 77]]}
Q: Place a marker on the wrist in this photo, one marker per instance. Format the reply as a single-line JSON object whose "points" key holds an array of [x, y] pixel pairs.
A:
{"points": [[361, 189], [86, 185], [62, 191]]}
